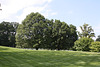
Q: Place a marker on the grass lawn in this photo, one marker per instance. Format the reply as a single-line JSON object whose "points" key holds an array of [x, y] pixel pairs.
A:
{"points": [[13, 57]]}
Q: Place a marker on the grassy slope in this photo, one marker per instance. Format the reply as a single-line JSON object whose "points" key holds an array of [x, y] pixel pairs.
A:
{"points": [[12, 57]]}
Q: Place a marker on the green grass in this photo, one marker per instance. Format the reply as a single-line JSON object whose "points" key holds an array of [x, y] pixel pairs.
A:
{"points": [[13, 57]]}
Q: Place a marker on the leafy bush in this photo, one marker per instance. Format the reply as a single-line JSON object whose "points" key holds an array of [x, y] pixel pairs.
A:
{"points": [[83, 44], [95, 46]]}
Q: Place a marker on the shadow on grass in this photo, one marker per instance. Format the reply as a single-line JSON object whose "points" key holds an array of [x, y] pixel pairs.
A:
{"points": [[48, 59], [2, 48]]}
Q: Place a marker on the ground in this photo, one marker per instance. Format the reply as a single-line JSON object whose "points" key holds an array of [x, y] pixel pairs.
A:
{"points": [[14, 57]]}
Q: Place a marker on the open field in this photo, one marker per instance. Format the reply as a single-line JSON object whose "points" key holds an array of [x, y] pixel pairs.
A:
{"points": [[13, 57]]}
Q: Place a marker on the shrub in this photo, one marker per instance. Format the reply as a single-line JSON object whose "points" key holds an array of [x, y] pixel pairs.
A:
{"points": [[83, 44], [95, 46]]}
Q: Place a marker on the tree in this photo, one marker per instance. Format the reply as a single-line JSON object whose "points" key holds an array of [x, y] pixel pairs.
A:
{"points": [[19, 36], [73, 35], [38, 32], [31, 32], [87, 31], [48, 37], [83, 44], [98, 39], [7, 33], [95, 46], [64, 35], [59, 33]]}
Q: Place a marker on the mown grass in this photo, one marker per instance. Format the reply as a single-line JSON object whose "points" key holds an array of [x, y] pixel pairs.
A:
{"points": [[13, 57]]}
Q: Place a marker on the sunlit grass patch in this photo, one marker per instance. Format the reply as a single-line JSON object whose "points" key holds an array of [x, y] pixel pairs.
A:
{"points": [[14, 57]]}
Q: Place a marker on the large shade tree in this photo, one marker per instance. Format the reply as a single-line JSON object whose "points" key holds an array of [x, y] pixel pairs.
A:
{"points": [[60, 35], [38, 32], [64, 35], [31, 32]]}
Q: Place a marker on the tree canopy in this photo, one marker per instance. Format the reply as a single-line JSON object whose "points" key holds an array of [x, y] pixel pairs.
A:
{"points": [[83, 44], [38, 32], [7, 33], [87, 31]]}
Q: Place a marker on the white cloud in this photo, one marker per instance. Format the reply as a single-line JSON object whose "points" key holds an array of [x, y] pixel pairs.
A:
{"points": [[16, 10]]}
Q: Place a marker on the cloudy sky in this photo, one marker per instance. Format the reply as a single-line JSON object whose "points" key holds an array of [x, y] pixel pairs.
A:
{"points": [[76, 12]]}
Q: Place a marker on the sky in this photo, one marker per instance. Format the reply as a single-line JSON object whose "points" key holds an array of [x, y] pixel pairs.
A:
{"points": [[76, 12]]}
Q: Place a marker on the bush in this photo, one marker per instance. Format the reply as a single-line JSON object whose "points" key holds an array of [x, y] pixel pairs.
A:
{"points": [[83, 44], [95, 46]]}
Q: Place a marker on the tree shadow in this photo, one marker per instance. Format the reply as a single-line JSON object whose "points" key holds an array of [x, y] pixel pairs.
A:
{"points": [[3, 48]]}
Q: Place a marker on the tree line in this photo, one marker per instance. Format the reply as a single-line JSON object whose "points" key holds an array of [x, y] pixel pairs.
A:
{"points": [[85, 41], [37, 32], [7, 33]]}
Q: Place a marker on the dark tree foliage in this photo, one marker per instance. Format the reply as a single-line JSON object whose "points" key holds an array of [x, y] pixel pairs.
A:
{"points": [[7, 33], [38, 32], [73, 35], [64, 35]]}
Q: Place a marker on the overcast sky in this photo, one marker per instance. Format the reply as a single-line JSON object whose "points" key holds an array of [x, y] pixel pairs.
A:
{"points": [[76, 12]]}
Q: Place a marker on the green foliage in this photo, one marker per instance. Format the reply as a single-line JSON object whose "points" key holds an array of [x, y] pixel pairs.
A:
{"points": [[83, 44], [32, 31], [87, 31], [64, 35], [38, 32], [73, 35], [7, 33], [95, 46], [60, 35]]}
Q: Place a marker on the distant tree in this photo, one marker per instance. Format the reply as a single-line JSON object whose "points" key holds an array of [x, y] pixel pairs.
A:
{"points": [[98, 39], [95, 46], [87, 31], [83, 44], [7, 33]]}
